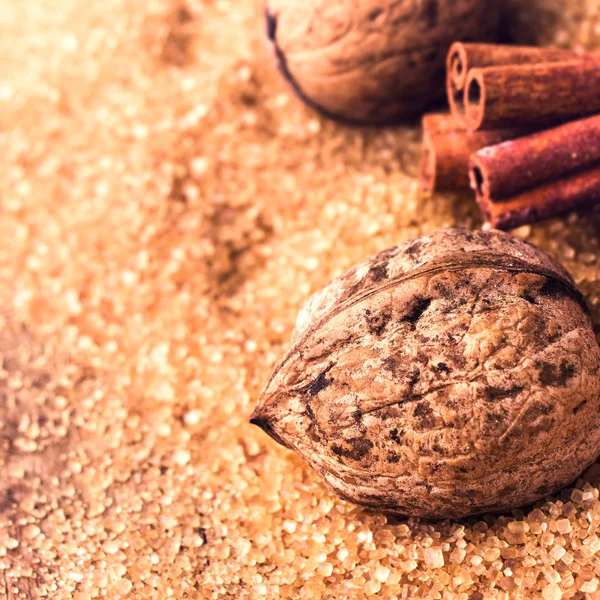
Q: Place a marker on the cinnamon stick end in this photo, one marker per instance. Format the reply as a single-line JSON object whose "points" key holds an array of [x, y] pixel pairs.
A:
{"points": [[456, 65], [478, 178], [474, 100], [456, 76]]}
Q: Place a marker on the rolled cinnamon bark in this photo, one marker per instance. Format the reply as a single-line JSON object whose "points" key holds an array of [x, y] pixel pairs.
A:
{"points": [[551, 199], [440, 123], [462, 57], [447, 146], [546, 93], [500, 171]]}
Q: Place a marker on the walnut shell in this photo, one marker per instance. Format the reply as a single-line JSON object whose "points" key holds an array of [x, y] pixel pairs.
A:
{"points": [[375, 61], [451, 375]]}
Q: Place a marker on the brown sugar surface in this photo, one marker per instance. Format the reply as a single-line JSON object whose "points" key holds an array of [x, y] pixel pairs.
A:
{"points": [[167, 205]]}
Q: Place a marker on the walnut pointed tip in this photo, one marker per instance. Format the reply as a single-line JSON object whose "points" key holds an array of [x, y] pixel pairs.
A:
{"points": [[256, 419], [265, 424]]}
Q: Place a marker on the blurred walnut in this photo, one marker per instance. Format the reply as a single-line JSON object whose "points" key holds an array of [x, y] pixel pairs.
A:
{"points": [[451, 375], [372, 61]]}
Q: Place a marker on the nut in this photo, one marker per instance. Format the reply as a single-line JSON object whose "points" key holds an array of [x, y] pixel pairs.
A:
{"points": [[450, 375], [377, 61]]}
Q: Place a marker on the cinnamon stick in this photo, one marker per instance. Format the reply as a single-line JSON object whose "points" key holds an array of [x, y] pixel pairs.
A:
{"points": [[578, 190], [440, 123], [447, 146], [513, 95], [501, 171], [463, 57]]}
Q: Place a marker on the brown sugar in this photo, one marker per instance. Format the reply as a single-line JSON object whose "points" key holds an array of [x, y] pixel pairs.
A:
{"points": [[167, 205]]}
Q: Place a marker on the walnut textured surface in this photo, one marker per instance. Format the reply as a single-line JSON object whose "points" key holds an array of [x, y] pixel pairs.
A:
{"points": [[454, 374], [376, 61]]}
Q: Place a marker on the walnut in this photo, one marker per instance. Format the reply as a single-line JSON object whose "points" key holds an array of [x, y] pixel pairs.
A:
{"points": [[374, 61], [450, 375]]}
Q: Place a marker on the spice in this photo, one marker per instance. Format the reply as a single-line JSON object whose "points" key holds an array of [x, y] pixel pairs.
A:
{"points": [[374, 62], [550, 199], [540, 175], [463, 57], [511, 95], [447, 147], [524, 177], [500, 171], [450, 375]]}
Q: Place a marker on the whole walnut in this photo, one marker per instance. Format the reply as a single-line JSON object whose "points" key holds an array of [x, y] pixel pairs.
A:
{"points": [[451, 375], [373, 61]]}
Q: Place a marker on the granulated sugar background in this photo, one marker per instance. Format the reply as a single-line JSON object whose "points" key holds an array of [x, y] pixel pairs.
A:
{"points": [[166, 207]]}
